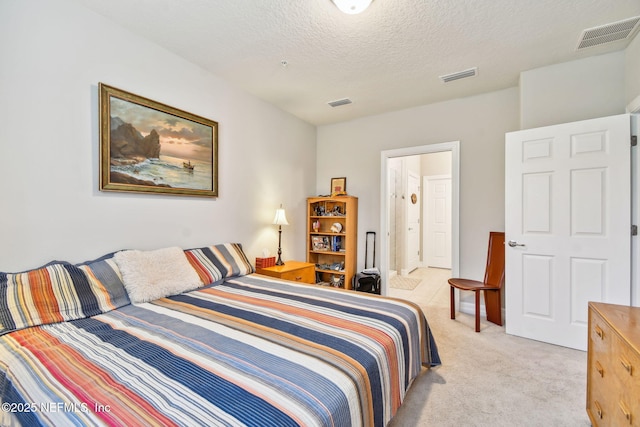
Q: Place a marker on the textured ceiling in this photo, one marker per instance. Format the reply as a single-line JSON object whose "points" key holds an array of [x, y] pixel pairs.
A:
{"points": [[388, 58]]}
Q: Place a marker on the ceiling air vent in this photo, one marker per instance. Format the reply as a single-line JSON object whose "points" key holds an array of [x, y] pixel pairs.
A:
{"points": [[340, 102], [608, 33], [471, 72]]}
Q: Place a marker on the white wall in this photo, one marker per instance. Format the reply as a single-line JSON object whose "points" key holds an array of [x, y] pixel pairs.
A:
{"points": [[546, 96], [578, 90], [352, 149], [632, 73], [436, 163], [53, 54]]}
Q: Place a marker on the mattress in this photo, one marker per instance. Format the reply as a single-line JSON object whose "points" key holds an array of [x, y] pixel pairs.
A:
{"points": [[251, 350]]}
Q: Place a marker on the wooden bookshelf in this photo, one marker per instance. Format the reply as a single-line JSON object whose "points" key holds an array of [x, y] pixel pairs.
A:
{"points": [[332, 243]]}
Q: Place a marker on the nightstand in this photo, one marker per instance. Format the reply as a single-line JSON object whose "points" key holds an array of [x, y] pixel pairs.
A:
{"points": [[297, 271]]}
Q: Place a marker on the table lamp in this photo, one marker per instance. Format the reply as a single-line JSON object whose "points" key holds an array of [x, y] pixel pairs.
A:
{"points": [[280, 220]]}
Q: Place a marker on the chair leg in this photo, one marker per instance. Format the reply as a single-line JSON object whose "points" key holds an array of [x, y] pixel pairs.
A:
{"points": [[493, 303], [453, 302], [477, 310]]}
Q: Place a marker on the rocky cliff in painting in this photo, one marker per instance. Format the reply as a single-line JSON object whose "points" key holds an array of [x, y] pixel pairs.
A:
{"points": [[128, 144]]}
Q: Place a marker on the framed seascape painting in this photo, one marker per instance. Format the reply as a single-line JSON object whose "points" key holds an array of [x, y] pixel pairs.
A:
{"points": [[149, 147]]}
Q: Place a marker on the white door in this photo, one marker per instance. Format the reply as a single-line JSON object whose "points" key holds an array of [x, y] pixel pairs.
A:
{"points": [[413, 202], [437, 241], [567, 225]]}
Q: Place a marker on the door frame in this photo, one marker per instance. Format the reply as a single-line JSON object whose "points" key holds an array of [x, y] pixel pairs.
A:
{"points": [[634, 110], [454, 148]]}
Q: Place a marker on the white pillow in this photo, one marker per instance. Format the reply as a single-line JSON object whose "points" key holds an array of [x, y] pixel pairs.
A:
{"points": [[149, 275]]}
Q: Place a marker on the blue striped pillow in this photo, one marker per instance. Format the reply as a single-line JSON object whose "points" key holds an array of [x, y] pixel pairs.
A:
{"points": [[205, 263], [58, 292], [219, 261], [106, 280], [233, 260]]}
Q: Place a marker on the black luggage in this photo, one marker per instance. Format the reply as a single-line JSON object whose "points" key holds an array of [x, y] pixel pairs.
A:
{"points": [[368, 280]]}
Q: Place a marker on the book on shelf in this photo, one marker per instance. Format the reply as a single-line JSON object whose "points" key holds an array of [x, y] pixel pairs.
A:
{"points": [[336, 243]]}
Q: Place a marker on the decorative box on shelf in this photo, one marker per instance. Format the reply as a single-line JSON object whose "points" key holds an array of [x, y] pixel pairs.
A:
{"points": [[265, 262]]}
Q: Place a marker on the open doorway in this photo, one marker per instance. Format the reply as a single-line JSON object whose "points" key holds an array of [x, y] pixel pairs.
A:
{"points": [[406, 176]]}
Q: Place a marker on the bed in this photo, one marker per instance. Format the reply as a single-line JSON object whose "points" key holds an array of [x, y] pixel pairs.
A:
{"points": [[79, 347]]}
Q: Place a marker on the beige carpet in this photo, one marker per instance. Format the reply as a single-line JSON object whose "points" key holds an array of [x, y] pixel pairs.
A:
{"points": [[401, 282], [489, 378]]}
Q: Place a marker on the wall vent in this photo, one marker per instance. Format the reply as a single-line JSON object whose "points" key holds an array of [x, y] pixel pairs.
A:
{"points": [[471, 72], [339, 102], [608, 33]]}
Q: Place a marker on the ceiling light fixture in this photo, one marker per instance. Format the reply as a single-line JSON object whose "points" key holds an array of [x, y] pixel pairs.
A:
{"points": [[352, 7]]}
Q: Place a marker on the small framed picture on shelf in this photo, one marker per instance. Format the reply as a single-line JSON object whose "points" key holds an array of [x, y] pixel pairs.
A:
{"points": [[338, 186], [320, 243]]}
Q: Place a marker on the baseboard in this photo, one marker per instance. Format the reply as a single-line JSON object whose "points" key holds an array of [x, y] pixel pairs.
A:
{"points": [[470, 308]]}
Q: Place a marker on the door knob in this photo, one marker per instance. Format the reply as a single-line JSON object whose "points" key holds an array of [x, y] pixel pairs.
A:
{"points": [[513, 243]]}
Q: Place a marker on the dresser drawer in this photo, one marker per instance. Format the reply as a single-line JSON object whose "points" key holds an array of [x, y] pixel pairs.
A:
{"points": [[296, 271], [626, 365], [305, 275], [598, 404], [601, 339], [600, 334]]}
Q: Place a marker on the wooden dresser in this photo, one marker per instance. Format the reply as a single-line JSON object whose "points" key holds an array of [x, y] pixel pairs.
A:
{"points": [[291, 270], [613, 363]]}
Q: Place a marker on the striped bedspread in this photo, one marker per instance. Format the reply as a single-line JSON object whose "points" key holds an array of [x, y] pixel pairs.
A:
{"points": [[251, 351]]}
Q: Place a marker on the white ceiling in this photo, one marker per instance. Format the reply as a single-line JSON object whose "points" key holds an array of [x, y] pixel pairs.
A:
{"points": [[388, 58]]}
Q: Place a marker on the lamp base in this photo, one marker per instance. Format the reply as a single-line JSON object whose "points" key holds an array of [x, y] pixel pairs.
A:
{"points": [[279, 261]]}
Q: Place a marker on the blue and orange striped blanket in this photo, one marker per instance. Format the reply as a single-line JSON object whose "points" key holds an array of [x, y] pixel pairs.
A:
{"points": [[250, 351]]}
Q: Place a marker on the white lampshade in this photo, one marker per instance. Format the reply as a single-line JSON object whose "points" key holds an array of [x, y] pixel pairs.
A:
{"points": [[352, 7], [280, 218]]}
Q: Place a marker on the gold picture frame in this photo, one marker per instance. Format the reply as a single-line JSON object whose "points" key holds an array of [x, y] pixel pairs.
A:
{"points": [[338, 186], [150, 147]]}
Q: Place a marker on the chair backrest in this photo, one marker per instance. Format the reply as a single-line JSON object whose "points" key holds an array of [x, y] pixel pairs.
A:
{"points": [[494, 271]]}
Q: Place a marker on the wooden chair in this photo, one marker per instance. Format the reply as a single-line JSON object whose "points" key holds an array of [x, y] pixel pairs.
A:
{"points": [[491, 285]]}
